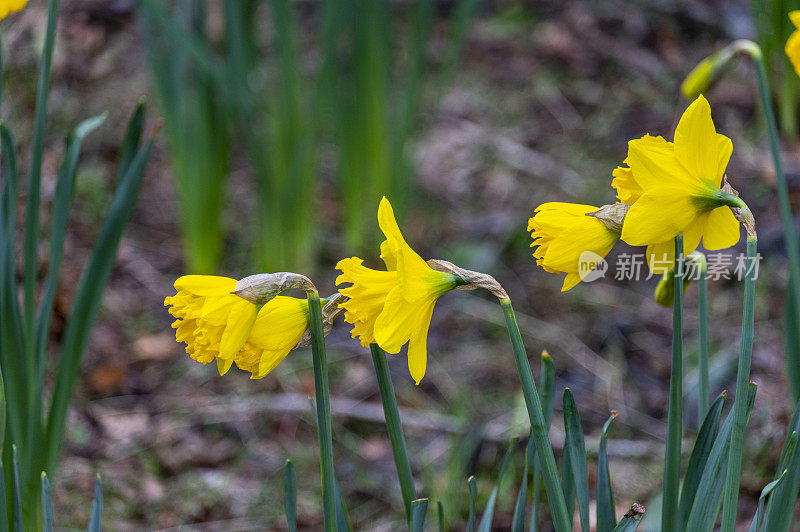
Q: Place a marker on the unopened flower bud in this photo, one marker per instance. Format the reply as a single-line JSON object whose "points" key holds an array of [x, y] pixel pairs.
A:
{"points": [[612, 216], [665, 290], [710, 70], [468, 279], [261, 288]]}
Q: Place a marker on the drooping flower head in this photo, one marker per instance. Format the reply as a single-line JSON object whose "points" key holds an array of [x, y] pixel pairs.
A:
{"points": [[675, 187], [218, 325], [393, 307], [563, 234], [11, 6], [793, 43]]}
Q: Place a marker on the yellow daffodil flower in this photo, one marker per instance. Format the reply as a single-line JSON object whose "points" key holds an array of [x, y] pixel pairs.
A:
{"points": [[793, 43], [393, 307], [11, 6], [563, 232], [674, 187], [213, 322], [277, 330]]}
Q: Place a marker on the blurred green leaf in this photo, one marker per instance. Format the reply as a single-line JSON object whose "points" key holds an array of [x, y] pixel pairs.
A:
{"points": [[87, 300], [488, 514]]}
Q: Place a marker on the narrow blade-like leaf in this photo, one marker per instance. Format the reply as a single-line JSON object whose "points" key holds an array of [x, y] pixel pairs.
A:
{"points": [[518, 521], [419, 508], [87, 300], [488, 514], [755, 525], [606, 519], [631, 520], [47, 505], [96, 520], [700, 452], [705, 509], [780, 509], [17, 493], [577, 449], [473, 493], [548, 387]]}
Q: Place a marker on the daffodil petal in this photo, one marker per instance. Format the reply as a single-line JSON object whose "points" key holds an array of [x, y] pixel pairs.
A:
{"points": [[794, 16], [280, 324], [206, 285], [223, 366], [590, 234], [397, 321], [698, 146], [659, 215], [661, 256], [408, 263], [216, 309], [722, 229], [240, 322], [793, 49], [570, 281], [11, 6], [654, 163], [418, 345]]}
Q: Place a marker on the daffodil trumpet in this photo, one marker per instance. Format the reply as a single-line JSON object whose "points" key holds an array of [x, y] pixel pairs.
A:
{"points": [[567, 237]]}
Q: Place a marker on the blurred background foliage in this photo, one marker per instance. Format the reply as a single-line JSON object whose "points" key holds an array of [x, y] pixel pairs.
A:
{"points": [[299, 116], [342, 100]]}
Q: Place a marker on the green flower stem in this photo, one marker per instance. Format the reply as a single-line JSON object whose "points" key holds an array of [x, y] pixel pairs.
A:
{"points": [[394, 428], [558, 508], [702, 344], [790, 235], [323, 409], [672, 460], [740, 404]]}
